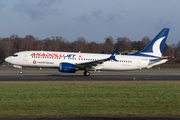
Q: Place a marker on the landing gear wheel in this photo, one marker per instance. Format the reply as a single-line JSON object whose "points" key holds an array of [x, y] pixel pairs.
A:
{"points": [[21, 71], [86, 73]]}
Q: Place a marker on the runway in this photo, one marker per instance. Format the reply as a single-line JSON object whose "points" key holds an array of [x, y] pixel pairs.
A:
{"points": [[92, 77]]}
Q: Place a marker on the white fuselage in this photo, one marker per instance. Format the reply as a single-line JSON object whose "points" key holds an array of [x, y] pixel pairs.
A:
{"points": [[53, 59]]}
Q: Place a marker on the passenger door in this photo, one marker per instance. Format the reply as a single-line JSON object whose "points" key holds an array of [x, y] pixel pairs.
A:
{"points": [[25, 57]]}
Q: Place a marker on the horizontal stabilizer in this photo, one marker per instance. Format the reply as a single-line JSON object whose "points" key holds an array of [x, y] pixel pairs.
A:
{"points": [[159, 59]]}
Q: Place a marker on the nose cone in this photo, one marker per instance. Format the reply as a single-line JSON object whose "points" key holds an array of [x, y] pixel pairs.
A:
{"points": [[8, 59]]}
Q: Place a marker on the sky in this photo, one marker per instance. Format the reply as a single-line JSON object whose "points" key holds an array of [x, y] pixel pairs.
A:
{"points": [[94, 20]]}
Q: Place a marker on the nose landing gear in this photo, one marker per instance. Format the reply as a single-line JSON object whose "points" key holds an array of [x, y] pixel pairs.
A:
{"points": [[21, 72]]}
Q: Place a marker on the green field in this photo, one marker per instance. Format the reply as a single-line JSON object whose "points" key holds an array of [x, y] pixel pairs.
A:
{"points": [[88, 98]]}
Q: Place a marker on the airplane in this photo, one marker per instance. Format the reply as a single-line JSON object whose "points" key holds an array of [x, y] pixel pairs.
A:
{"points": [[70, 62]]}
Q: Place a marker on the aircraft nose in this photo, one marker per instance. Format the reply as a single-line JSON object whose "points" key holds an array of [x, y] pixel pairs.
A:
{"points": [[8, 59]]}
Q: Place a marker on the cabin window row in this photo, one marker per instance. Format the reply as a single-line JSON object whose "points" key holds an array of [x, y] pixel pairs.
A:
{"points": [[46, 57], [87, 59], [64, 58], [125, 61]]}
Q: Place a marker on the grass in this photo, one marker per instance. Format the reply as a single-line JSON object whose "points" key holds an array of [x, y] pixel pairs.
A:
{"points": [[89, 99]]}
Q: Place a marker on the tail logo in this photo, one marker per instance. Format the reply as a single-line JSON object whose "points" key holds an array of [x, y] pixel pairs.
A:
{"points": [[156, 47]]}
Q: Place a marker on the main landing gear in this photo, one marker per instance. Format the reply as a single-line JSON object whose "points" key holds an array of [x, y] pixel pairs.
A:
{"points": [[86, 73]]}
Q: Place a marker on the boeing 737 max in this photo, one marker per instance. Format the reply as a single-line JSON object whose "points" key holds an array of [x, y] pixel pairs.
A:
{"points": [[70, 62]]}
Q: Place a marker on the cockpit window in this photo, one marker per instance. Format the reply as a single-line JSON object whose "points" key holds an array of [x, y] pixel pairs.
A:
{"points": [[14, 55]]}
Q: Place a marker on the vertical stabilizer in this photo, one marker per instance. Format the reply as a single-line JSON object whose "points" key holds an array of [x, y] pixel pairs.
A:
{"points": [[156, 46]]}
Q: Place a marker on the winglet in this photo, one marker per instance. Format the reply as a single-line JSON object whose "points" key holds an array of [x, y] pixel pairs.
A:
{"points": [[103, 52], [113, 55]]}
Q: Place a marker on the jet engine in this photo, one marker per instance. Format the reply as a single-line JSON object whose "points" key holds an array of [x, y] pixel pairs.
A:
{"points": [[67, 67]]}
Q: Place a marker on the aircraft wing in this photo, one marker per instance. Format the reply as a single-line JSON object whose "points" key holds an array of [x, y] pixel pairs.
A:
{"points": [[97, 62], [92, 63]]}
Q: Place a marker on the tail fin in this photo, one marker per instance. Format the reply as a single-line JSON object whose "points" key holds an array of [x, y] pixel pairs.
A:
{"points": [[156, 46]]}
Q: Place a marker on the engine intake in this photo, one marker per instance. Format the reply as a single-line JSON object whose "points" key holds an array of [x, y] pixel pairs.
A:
{"points": [[67, 67]]}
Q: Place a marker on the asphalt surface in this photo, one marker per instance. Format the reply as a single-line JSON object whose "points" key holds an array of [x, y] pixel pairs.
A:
{"points": [[94, 77]]}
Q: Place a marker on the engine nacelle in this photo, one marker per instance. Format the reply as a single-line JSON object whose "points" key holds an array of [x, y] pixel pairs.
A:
{"points": [[67, 67]]}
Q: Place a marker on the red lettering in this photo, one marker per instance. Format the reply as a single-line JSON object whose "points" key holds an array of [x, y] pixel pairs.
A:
{"points": [[61, 55], [38, 54], [43, 54], [33, 54], [48, 55], [54, 55]]}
